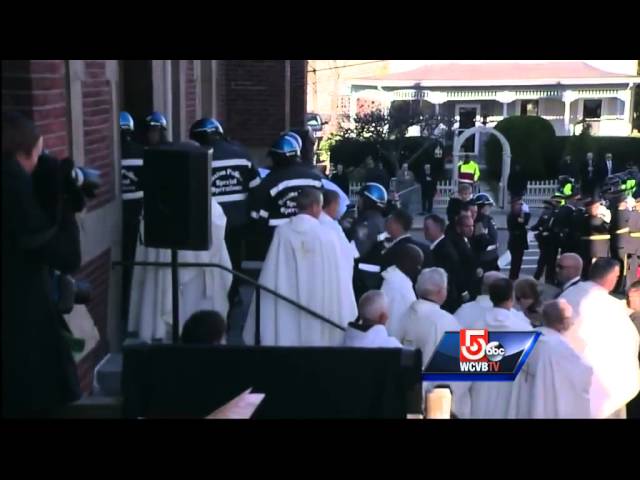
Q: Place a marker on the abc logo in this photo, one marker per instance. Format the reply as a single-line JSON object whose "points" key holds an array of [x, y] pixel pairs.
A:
{"points": [[494, 351]]}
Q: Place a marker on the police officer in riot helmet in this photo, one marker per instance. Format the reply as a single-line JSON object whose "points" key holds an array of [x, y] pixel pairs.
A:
{"points": [[485, 234], [233, 176], [155, 129], [273, 202], [132, 192], [367, 231], [564, 221], [594, 233]]}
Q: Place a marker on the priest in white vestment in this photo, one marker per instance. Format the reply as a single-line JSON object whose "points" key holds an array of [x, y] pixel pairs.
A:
{"points": [[398, 284], [603, 334], [491, 399], [303, 263], [200, 288], [469, 313], [424, 325], [369, 329], [329, 218], [555, 381]]}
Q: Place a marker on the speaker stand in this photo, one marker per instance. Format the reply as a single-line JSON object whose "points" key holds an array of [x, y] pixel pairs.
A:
{"points": [[175, 298]]}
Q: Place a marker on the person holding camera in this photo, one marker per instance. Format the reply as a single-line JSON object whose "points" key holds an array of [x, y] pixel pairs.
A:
{"points": [[39, 235]]}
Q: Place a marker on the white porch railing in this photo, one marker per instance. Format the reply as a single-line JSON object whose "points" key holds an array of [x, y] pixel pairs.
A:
{"points": [[444, 192], [539, 191]]}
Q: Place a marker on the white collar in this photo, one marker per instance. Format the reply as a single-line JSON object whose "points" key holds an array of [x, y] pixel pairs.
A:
{"points": [[484, 301], [433, 245], [398, 239], [571, 283]]}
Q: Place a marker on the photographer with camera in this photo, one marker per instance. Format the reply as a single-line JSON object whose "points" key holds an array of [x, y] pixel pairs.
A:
{"points": [[39, 235]]}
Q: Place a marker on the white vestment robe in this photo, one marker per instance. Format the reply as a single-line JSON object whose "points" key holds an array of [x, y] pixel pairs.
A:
{"points": [[491, 399], [423, 326], [399, 290], [553, 383], [605, 337], [471, 312], [303, 263], [200, 288], [348, 250], [376, 337]]}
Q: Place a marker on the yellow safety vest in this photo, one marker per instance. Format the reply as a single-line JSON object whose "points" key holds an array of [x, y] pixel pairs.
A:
{"points": [[468, 172]]}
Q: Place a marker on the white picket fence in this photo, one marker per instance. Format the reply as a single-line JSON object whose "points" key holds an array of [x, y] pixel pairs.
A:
{"points": [[538, 192]]}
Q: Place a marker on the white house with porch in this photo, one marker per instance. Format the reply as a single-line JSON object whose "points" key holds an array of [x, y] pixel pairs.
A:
{"points": [[566, 93]]}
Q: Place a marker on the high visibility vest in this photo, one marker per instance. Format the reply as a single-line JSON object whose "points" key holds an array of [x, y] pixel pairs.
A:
{"points": [[567, 189], [468, 172]]}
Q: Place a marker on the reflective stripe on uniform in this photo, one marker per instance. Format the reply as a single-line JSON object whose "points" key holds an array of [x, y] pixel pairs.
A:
{"points": [[254, 215], [597, 237], [263, 214], [255, 182], [133, 195], [491, 247], [234, 197], [623, 230], [277, 221], [233, 162], [131, 162], [296, 182], [367, 267], [635, 234]]}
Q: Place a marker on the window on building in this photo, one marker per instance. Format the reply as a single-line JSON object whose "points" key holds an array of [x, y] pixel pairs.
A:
{"points": [[529, 108], [592, 109]]}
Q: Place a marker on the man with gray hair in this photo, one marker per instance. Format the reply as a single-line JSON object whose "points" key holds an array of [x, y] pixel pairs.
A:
{"points": [[604, 336], [469, 313], [369, 329], [555, 381], [424, 324], [304, 264]]}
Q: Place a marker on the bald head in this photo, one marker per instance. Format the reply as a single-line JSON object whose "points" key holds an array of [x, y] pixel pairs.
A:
{"points": [[410, 260], [331, 203], [557, 315], [309, 201], [488, 279], [568, 266]]}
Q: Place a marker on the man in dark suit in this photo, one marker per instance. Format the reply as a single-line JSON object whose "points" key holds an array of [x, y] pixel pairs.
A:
{"points": [[568, 168], [445, 256], [459, 237], [398, 226], [591, 176]]}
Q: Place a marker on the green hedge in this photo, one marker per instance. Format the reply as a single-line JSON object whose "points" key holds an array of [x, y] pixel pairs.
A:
{"points": [[533, 146], [353, 152], [623, 149]]}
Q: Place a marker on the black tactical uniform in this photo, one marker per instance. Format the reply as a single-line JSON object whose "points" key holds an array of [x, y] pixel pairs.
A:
{"points": [[485, 242], [547, 245]]}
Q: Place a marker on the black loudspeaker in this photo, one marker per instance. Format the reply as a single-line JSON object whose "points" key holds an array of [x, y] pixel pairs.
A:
{"points": [[177, 197]]}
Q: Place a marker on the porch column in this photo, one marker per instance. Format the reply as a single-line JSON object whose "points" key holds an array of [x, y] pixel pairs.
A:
{"points": [[505, 98], [567, 97]]}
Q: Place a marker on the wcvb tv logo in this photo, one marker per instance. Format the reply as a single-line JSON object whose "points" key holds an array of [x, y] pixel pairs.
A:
{"points": [[477, 354]]}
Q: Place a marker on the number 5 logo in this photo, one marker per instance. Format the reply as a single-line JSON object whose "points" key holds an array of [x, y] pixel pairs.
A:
{"points": [[473, 344]]}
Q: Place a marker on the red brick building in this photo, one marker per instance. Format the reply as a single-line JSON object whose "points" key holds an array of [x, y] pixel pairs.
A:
{"points": [[75, 104]]}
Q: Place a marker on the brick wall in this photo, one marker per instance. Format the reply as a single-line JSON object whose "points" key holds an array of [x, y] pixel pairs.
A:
{"points": [[190, 94], [96, 272], [38, 88], [98, 118], [298, 97]]}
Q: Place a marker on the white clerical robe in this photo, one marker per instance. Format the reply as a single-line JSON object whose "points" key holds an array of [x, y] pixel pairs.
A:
{"points": [[303, 263], [348, 249], [553, 383], [491, 399], [469, 313], [423, 326], [200, 288], [605, 337], [399, 290], [375, 337]]}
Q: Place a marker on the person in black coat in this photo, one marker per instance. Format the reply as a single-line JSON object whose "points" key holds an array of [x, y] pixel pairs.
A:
{"points": [[546, 243], [39, 373], [517, 182], [517, 222], [471, 274], [398, 227], [591, 175], [445, 257], [568, 168], [341, 179]]}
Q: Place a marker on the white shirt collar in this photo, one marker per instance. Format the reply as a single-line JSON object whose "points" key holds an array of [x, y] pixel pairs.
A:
{"points": [[570, 283], [433, 245], [398, 239]]}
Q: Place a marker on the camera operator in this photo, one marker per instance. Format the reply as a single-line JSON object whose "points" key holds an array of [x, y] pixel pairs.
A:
{"points": [[38, 371]]}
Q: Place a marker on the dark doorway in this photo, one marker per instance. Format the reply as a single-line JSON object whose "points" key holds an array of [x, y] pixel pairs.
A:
{"points": [[137, 91]]}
